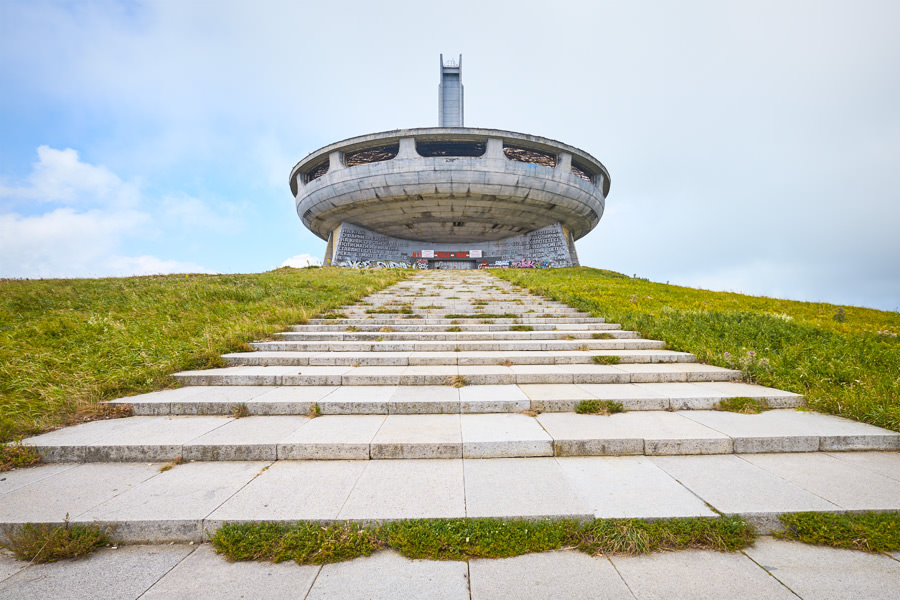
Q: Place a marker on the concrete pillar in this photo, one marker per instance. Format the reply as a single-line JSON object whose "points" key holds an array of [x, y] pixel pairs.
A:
{"points": [[564, 163], [407, 148], [334, 161], [494, 148]]}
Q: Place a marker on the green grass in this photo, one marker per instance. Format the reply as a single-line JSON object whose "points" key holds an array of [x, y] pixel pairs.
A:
{"points": [[740, 404], [609, 359], [598, 407], [42, 543], [460, 539], [521, 328], [15, 455], [844, 361], [68, 344], [870, 532]]}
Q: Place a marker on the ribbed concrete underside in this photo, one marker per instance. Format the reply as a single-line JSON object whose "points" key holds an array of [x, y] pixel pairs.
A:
{"points": [[451, 395]]}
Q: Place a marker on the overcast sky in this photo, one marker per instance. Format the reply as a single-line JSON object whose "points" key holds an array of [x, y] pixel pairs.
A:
{"points": [[753, 146]]}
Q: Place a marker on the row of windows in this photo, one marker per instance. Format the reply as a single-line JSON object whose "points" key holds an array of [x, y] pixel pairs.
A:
{"points": [[438, 149]]}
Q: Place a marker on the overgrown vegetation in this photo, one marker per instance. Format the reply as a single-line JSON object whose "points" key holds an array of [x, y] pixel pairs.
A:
{"points": [[68, 344], [43, 542], [849, 365], [609, 359], [740, 404], [460, 539], [15, 454], [598, 407], [871, 532]]}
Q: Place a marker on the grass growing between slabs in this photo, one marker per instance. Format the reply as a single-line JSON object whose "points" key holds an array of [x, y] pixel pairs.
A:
{"points": [[845, 360], [68, 344], [870, 532], [43, 542], [460, 539]]}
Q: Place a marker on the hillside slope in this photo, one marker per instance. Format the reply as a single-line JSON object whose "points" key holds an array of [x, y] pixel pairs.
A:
{"points": [[845, 360], [67, 344]]}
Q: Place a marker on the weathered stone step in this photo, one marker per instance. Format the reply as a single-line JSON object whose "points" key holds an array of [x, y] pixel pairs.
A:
{"points": [[467, 325], [363, 400], [464, 345], [191, 501], [453, 335], [418, 319], [535, 357], [458, 375], [370, 437]]}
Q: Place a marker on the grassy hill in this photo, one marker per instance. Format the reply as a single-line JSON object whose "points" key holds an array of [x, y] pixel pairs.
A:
{"points": [[845, 360], [67, 344]]}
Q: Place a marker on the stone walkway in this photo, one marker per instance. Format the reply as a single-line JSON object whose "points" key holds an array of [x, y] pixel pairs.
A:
{"points": [[452, 394], [769, 569]]}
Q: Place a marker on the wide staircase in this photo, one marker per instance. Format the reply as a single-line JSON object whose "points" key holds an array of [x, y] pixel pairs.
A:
{"points": [[452, 394]]}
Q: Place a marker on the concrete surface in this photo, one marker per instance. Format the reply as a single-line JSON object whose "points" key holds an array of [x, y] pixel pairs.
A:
{"points": [[768, 569]]}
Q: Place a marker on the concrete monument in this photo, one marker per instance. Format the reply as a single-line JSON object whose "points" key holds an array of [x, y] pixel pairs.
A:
{"points": [[450, 196]]}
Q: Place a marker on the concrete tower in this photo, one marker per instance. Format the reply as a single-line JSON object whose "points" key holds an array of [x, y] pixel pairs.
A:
{"points": [[450, 94]]}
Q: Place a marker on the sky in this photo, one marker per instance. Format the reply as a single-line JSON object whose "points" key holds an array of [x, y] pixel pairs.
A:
{"points": [[753, 146]]}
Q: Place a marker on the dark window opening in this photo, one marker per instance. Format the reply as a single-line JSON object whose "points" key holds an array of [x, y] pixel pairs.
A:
{"points": [[317, 171], [581, 171], [530, 156], [428, 149], [457, 223], [370, 155]]}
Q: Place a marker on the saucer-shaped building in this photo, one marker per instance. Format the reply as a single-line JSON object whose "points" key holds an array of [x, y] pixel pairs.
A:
{"points": [[450, 196]]}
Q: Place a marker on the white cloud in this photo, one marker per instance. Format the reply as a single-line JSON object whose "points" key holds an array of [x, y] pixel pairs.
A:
{"points": [[302, 260], [60, 176], [85, 236]]}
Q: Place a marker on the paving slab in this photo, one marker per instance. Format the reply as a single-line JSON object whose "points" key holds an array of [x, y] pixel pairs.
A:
{"points": [[389, 575], [886, 464], [547, 576], [633, 396], [125, 572], [630, 487], [590, 435], [9, 566], [520, 487], [424, 399], [172, 505], [204, 574], [418, 436], [770, 431], [369, 399], [843, 484], [733, 485], [334, 437], [821, 572], [698, 575], [407, 489], [18, 478], [671, 433], [503, 435], [734, 389], [492, 398], [248, 438], [291, 491], [72, 491]]}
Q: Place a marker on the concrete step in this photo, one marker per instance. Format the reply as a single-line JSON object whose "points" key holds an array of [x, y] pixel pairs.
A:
{"points": [[422, 320], [452, 335], [374, 437], [191, 501], [497, 357], [363, 400], [462, 345], [458, 374], [406, 325]]}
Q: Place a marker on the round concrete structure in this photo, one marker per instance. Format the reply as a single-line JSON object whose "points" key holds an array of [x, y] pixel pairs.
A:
{"points": [[450, 185]]}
